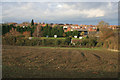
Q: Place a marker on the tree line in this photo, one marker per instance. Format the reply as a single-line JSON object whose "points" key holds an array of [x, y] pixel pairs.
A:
{"points": [[40, 31], [108, 38], [48, 31]]}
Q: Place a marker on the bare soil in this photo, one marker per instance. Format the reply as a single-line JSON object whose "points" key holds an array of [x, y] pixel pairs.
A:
{"points": [[35, 62]]}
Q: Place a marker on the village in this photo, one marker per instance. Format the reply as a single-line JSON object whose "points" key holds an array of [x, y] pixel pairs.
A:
{"points": [[84, 30]]}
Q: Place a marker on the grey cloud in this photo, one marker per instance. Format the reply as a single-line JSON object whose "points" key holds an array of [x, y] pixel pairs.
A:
{"points": [[60, 12]]}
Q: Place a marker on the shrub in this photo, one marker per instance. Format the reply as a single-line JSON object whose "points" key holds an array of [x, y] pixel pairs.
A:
{"points": [[39, 42], [68, 40], [106, 44], [9, 40], [43, 41], [92, 42], [84, 42], [50, 42], [61, 42], [78, 43], [99, 44], [28, 42], [56, 42], [20, 42]]}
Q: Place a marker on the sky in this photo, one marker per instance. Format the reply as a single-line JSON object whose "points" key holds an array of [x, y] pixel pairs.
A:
{"points": [[61, 12]]}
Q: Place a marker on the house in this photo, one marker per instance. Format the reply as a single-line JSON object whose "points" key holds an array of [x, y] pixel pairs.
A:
{"points": [[43, 25], [54, 25], [12, 23], [82, 30], [23, 24], [75, 36], [61, 24], [35, 23], [92, 29], [80, 37], [75, 26], [66, 28]]}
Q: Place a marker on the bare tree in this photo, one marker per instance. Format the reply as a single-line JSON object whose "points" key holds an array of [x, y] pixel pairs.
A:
{"points": [[38, 32]]}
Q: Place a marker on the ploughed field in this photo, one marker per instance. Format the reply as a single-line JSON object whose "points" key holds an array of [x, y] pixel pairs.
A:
{"points": [[36, 62]]}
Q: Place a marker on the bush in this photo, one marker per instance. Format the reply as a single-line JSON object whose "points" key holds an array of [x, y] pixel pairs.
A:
{"points": [[84, 42], [92, 42], [43, 41], [20, 42], [78, 43], [99, 44], [68, 40], [56, 42], [106, 45], [49, 42], [39, 42], [61, 42], [9, 40]]}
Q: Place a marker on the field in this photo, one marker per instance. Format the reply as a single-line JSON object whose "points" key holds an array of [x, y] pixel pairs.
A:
{"points": [[46, 62]]}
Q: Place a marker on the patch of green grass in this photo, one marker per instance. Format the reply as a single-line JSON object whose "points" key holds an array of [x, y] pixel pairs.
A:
{"points": [[73, 48], [83, 48], [76, 39], [48, 38]]}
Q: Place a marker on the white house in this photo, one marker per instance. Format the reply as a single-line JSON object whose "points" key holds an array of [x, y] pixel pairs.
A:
{"points": [[65, 27], [30, 38], [75, 36], [55, 36], [23, 26], [80, 37]]}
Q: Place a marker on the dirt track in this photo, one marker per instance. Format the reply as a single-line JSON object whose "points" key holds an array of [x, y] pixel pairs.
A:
{"points": [[45, 62]]}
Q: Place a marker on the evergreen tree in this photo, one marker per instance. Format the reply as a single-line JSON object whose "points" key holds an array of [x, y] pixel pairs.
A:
{"points": [[53, 32], [32, 22], [61, 31], [18, 28], [6, 28], [69, 33], [75, 33], [32, 30]]}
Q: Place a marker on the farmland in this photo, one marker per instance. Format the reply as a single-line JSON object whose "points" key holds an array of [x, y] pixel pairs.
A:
{"points": [[47, 62]]}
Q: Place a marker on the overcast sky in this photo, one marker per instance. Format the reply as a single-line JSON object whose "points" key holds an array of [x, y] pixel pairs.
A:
{"points": [[61, 12]]}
